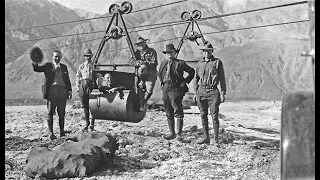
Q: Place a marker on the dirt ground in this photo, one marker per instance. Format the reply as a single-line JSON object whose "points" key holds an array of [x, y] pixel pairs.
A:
{"points": [[249, 136]]}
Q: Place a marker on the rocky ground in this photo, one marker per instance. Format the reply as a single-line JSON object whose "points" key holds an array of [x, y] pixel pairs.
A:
{"points": [[250, 143]]}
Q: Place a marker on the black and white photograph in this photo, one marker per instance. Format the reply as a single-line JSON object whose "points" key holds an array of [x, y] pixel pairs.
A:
{"points": [[160, 89]]}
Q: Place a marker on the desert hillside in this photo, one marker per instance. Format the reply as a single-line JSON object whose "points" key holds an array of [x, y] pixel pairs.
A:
{"points": [[260, 63], [28, 13]]}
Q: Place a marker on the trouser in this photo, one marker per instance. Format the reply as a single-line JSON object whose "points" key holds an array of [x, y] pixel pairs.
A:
{"points": [[85, 89], [57, 99], [172, 99], [209, 99], [149, 76]]}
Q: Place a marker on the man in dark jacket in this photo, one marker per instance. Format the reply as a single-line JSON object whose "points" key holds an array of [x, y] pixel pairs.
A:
{"points": [[174, 87], [209, 74], [56, 89]]}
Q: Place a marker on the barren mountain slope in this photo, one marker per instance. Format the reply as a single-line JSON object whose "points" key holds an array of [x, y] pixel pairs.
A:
{"points": [[259, 63], [28, 13]]}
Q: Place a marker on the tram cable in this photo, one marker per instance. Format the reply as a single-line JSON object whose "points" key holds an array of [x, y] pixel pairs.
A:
{"points": [[87, 19], [14, 4], [253, 27], [32, 13], [173, 23]]}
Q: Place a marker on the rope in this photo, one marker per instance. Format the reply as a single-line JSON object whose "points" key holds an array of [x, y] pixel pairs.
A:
{"points": [[253, 27]]}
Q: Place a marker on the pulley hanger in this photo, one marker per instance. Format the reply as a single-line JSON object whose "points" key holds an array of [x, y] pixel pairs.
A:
{"points": [[116, 32], [192, 35]]}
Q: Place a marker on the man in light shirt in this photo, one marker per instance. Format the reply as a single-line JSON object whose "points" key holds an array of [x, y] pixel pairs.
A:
{"points": [[85, 83], [209, 75]]}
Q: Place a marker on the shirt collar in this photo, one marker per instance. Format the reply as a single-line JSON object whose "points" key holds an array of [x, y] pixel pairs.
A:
{"points": [[211, 58], [87, 63], [56, 65], [145, 49]]}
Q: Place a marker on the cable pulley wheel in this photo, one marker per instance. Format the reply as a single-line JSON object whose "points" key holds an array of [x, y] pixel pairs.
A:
{"points": [[127, 6], [185, 16], [196, 14], [113, 7]]}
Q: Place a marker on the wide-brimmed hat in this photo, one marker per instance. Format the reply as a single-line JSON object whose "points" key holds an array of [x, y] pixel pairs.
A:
{"points": [[207, 46], [87, 52], [170, 48], [140, 40], [36, 55]]}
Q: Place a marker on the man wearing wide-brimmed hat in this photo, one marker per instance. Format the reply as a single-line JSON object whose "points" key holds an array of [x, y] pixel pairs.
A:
{"points": [[147, 71], [174, 86], [209, 74], [56, 89], [84, 84]]}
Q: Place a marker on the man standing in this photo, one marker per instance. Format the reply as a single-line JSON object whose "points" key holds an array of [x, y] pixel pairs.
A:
{"points": [[56, 89], [209, 73], [84, 83], [147, 71], [173, 89]]}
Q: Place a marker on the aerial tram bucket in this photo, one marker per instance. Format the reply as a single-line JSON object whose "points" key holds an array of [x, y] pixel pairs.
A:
{"points": [[120, 106]]}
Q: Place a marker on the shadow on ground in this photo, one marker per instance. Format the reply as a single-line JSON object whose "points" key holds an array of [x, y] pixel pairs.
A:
{"points": [[16, 143], [268, 131]]}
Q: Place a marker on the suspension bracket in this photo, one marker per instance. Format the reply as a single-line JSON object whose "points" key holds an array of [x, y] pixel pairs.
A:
{"points": [[191, 35]]}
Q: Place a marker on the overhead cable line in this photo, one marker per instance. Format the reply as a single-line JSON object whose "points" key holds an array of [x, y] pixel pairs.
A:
{"points": [[239, 29], [175, 22], [260, 9], [99, 38], [32, 13], [58, 47], [159, 6], [87, 19], [93, 32], [252, 27]]}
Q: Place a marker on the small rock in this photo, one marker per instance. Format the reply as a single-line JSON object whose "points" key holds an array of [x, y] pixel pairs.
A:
{"points": [[92, 178], [8, 131], [221, 131], [191, 128], [239, 142], [239, 125]]}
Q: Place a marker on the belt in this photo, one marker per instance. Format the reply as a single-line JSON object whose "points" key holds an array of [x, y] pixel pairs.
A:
{"points": [[58, 86], [169, 82], [87, 80], [209, 86]]}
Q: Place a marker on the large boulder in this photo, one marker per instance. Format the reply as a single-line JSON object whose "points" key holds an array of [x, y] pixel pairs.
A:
{"points": [[80, 157]]}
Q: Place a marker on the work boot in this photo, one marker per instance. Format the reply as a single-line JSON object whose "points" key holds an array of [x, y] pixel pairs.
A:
{"points": [[50, 127], [61, 126], [206, 138], [85, 129], [53, 137], [92, 124], [147, 96], [216, 132], [172, 134], [86, 116], [179, 128], [142, 104]]}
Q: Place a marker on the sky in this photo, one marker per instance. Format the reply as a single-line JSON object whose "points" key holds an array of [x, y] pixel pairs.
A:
{"points": [[95, 6]]}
